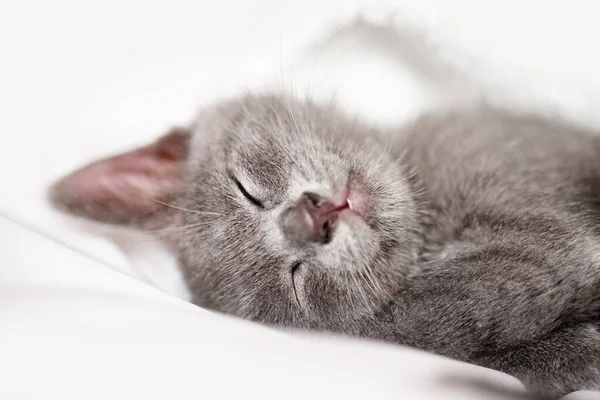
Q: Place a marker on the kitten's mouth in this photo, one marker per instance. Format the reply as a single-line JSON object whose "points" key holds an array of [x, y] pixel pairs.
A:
{"points": [[294, 270], [314, 217], [352, 199], [356, 199]]}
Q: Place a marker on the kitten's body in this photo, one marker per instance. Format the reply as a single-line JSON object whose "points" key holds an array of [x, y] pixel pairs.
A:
{"points": [[472, 235], [509, 265]]}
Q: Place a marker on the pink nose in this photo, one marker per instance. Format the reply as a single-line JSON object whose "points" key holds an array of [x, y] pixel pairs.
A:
{"points": [[318, 217]]}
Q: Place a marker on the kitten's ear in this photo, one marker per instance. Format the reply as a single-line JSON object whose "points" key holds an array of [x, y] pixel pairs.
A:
{"points": [[133, 188]]}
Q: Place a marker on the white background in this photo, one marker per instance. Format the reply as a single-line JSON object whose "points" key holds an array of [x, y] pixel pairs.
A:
{"points": [[79, 80]]}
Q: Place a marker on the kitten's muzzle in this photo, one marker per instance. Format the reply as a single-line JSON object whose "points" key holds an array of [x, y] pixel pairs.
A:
{"points": [[313, 219]]}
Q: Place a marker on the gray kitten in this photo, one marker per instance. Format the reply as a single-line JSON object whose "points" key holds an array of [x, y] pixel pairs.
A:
{"points": [[474, 235]]}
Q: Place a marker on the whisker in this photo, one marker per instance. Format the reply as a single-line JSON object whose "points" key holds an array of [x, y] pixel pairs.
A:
{"points": [[360, 289], [370, 273], [373, 282], [150, 232], [185, 209], [184, 227], [335, 94], [333, 66], [281, 56], [329, 41], [367, 282]]}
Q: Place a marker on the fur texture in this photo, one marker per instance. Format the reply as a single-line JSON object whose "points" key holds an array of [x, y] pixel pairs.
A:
{"points": [[477, 236]]}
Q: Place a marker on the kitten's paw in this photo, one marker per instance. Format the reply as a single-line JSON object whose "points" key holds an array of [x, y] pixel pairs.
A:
{"points": [[564, 362]]}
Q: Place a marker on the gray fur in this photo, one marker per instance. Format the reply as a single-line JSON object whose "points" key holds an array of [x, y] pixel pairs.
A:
{"points": [[480, 240]]}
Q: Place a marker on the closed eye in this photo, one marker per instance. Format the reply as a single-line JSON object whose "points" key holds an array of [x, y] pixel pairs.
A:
{"points": [[247, 195]]}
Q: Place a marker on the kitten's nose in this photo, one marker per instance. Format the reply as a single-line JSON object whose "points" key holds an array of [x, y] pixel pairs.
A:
{"points": [[313, 219]]}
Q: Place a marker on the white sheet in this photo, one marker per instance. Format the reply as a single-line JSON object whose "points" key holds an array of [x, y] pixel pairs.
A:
{"points": [[80, 80], [74, 329]]}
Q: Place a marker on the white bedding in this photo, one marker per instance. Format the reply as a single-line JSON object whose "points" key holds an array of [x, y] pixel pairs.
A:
{"points": [[79, 80]]}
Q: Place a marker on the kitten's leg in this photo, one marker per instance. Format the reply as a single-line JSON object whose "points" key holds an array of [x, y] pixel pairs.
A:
{"points": [[504, 311], [565, 361]]}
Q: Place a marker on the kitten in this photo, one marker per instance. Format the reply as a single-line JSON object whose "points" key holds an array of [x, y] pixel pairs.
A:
{"points": [[469, 234]]}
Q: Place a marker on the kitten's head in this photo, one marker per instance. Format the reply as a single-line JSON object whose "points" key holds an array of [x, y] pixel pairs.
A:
{"points": [[281, 212]]}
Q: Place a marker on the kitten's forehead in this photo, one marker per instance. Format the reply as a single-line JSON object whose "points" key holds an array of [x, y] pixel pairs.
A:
{"points": [[260, 157]]}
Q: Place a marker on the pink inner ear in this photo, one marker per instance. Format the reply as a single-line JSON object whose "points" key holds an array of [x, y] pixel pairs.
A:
{"points": [[136, 177], [128, 186]]}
